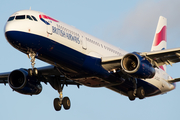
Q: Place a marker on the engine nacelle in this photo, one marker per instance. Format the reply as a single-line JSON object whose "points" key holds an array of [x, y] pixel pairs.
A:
{"points": [[20, 82], [137, 66]]}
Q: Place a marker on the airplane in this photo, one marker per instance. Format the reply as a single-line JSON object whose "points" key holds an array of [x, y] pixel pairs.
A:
{"points": [[77, 58]]}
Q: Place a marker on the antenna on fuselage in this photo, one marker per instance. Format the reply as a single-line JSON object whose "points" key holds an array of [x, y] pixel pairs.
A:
{"points": [[30, 8]]}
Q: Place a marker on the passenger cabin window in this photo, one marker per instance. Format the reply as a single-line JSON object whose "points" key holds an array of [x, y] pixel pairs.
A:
{"points": [[11, 18], [20, 17]]}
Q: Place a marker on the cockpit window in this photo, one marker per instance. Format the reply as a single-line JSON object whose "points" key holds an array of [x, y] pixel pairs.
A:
{"points": [[20, 17], [11, 18], [29, 17], [34, 18]]}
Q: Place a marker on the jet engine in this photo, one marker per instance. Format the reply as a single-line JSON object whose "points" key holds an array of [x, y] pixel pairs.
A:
{"points": [[20, 82], [137, 66]]}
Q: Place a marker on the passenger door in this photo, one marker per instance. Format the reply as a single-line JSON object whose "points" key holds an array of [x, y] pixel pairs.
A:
{"points": [[84, 44], [49, 27]]}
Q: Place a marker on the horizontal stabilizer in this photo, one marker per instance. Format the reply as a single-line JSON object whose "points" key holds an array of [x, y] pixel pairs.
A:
{"points": [[174, 80]]}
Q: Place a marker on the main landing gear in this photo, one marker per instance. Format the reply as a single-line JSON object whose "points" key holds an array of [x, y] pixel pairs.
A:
{"points": [[137, 92], [58, 102], [32, 71]]}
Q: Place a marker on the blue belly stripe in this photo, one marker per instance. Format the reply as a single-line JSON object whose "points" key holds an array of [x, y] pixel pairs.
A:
{"points": [[56, 53]]}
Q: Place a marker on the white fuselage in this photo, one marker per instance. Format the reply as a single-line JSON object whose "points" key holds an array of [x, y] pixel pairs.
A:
{"points": [[77, 40]]}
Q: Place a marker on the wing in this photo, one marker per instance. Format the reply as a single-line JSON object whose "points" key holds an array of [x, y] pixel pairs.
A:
{"points": [[48, 70], [110, 63], [163, 57], [4, 77], [46, 74], [156, 58]]}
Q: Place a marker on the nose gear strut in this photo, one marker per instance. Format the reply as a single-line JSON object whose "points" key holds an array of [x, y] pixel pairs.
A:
{"points": [[32, 71]]}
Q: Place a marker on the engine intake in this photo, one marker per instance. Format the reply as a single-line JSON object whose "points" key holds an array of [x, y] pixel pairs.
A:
{"points": [[137, 66], [20, 82]]}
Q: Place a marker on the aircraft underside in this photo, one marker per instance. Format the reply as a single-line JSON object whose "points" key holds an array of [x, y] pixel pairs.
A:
{"points": [[82, 69]]}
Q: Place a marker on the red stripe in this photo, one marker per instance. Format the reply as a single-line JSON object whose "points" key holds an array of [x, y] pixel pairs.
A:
{"points": [[40, 16], [162, 67], [161, 36], [47, 17]]}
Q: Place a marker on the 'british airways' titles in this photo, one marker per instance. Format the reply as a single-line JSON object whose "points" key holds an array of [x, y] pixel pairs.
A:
{"points": [[65, 34]]}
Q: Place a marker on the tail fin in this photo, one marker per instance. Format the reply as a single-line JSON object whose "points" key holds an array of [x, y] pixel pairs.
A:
{"points": [[160, 41]]}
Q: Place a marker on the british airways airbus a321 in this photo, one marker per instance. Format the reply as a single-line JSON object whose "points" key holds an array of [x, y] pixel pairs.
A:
{"points": [[77, 58]]}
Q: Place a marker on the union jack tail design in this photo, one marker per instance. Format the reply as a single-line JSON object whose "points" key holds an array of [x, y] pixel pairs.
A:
{"points": [[160, 41]]}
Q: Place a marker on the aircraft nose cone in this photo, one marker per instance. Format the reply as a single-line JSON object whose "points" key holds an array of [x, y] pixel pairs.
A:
{"points": [[11, 33], [7, 28]]}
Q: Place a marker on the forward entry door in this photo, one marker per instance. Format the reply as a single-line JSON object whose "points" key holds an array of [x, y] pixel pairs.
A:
{"points": [[49, 27]]}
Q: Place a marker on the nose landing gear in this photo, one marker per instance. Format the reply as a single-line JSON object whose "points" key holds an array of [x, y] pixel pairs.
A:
{"points": [[32, 71]]}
